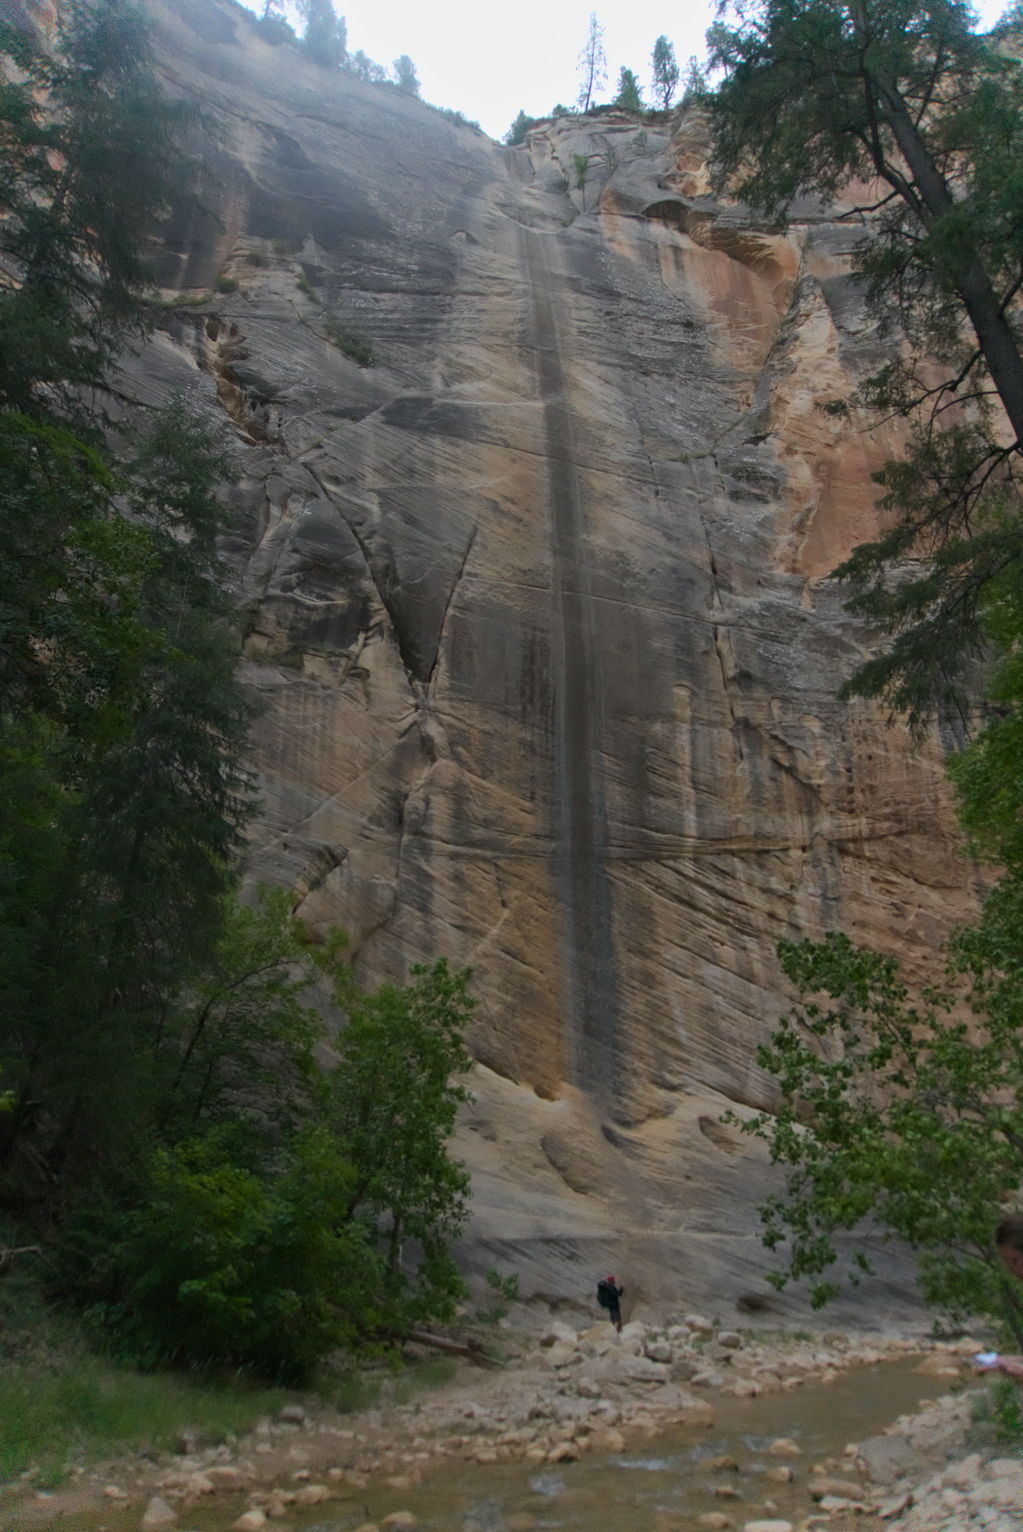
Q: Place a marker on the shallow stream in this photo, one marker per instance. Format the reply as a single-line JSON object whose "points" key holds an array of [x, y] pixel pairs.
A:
{"points": [[662, 1483]]}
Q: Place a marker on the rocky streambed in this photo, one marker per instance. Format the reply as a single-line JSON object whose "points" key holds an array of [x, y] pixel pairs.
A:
{"points": [[681, 1426]]}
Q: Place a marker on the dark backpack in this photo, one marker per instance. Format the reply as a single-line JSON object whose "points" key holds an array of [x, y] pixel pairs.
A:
{"points": [[604, 1294]]}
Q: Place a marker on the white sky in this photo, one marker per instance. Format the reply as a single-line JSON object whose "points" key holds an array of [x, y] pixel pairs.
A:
{"points": [[488, 60]]}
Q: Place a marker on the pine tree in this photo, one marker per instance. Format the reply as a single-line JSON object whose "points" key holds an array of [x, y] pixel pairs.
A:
{"points": [[628, 97], [592, 63], [665, 71], [92, 153], [325, 39], [405, 76]]}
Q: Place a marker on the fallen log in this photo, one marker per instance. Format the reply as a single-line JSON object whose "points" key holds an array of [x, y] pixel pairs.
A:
{"points": [[473, 1349]]}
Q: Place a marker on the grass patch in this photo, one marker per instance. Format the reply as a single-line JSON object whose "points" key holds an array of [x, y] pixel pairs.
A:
{"points": [[420, 1377], [227, 285], [83, 1408], [353, 346]]}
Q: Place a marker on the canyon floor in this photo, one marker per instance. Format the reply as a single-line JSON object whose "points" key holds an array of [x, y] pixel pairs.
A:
{"points": [[561, 1396]]}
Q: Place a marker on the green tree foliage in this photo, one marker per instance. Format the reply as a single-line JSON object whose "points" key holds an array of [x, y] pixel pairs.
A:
{"points": [[91, 153], [391, 1101], [901, 1114], [628, 98], [405, 76], [287, 1210], [325, 36], [516, 134], [592, 64], [908, 99], [121, 798], [363, 68], [203, 1188], [665, 72]]}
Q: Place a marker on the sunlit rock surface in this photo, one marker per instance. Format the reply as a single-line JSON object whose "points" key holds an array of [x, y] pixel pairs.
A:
{"points": [[537, 612]]}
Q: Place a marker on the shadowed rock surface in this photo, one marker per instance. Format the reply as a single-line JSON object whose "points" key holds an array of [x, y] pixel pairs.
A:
{"points": [[537, 613]]}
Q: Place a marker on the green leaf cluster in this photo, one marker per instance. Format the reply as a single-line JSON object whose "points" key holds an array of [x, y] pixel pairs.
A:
{"points": [[909, 101], [898, 1114], [285, 1209]]}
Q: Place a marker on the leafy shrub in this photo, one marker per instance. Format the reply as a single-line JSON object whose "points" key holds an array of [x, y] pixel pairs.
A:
{"points": [[516, 134], [221, 1265], [226, 285], [353, 346], [275, 30]]}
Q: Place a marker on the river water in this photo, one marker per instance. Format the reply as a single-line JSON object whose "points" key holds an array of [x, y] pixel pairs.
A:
{"points": [[660, 1484]]}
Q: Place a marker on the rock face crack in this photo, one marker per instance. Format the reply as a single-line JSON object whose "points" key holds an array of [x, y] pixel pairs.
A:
{"points": [[580, 832]]}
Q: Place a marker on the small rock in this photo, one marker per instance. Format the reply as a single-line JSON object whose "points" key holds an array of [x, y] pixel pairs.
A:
{"points": [[313, 1494], [780, 1474], [784, 1447], [714, 1521], [768, 1526], [114, 1492], [724, 1463], [658, 1351], [731, 1340], [697, 1325], [250, 1521], [845, 1488], [401, 1519], [226, 1476], [292, 1414], [727, 1492], [199, 1484], [564, 1452], [158, 1514]]}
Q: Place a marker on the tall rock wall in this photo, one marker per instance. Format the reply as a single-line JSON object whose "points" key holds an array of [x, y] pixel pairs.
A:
{"points": [[538, 616]]}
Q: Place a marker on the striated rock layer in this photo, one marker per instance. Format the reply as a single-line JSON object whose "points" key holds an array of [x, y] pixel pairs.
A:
{"points": [[537, 613]]}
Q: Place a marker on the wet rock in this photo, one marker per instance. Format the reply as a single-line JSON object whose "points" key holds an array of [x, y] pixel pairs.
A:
{"points": [[313, 1494], [158, 1514], [226, 1476], [821, 1486]]}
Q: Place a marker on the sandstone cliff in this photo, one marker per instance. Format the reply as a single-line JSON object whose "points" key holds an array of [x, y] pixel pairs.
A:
{"points": [[537, 613]]}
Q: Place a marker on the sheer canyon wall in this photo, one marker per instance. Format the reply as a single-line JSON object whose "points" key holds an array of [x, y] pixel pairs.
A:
{"points": [[538, 614]]}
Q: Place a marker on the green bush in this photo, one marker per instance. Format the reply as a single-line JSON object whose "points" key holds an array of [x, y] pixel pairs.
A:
{"points": [[222, 1266], [353, 346], [226, 285]]}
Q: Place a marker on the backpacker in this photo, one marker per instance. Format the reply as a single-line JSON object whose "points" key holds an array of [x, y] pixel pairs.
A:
{"points": [[604, 1293]]}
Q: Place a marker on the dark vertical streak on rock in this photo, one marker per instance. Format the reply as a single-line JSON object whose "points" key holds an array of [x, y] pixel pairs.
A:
{"points": [[580, 831]]}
